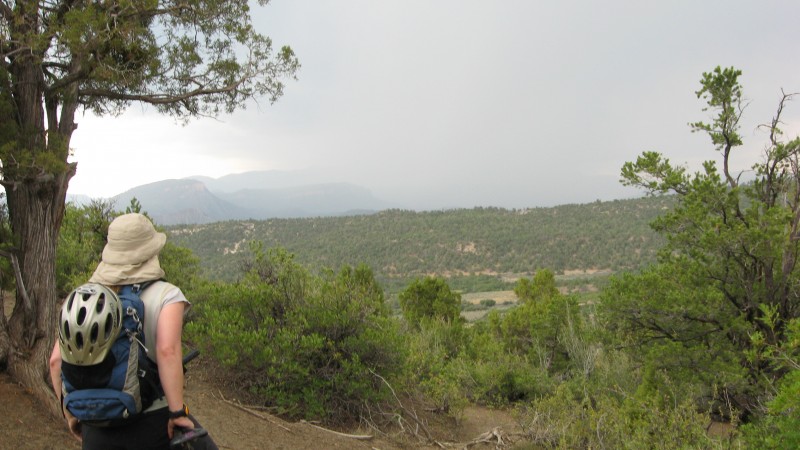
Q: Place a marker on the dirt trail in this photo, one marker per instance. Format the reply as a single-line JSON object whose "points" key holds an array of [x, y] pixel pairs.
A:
{"points": [[24, 424]]}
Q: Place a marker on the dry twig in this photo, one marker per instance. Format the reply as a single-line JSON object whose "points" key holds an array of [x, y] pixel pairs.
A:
{"points": [[490, 437], [412, 414], [360, 437], [251, 412]]}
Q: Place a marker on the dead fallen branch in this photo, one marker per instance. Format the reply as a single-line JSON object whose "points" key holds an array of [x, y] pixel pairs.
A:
{"points": [[251, 412], [409, 413], [360, 437], [495, 436]]}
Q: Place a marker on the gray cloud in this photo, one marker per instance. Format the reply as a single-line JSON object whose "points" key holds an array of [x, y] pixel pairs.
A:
{"points": [[436, 104]]}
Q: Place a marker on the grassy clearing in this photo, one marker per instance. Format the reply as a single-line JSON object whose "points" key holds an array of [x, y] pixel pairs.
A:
{"points": [[500, 297]]}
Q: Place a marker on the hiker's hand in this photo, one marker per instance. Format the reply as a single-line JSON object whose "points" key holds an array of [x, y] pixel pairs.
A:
{"points": [[74, 427], [182, 422]]}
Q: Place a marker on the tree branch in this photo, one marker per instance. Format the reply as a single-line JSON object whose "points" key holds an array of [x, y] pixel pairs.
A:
{"points": [[18, 276], [160, 98]]}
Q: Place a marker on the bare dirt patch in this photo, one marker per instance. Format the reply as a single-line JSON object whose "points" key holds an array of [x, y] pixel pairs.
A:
{"points": [[25, 424]]}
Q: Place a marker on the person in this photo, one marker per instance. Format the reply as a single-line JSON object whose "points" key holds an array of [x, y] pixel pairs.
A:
{"points": [[131, 257]]}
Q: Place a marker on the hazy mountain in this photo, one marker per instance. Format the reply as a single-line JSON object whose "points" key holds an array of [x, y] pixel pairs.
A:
{"points": [[171, 202], [79, 199], [257, 180], [248, 196], [333, 199]]}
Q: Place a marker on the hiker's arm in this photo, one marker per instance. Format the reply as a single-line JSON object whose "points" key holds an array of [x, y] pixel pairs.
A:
{"points": [[73, 424], [55, 370], [170, 360]]}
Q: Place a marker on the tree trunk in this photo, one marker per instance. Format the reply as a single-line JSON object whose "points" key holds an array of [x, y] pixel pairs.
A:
{"points": [[36, 209]]}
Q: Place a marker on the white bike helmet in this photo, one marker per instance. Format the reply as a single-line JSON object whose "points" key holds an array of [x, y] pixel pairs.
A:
{"points": [[91, 319]]}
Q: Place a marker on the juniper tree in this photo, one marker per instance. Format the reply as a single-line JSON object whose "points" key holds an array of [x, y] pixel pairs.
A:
{"points": [[186, 58], [731, 255]]}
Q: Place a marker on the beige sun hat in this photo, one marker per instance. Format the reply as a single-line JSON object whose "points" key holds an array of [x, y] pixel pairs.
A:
{"points": [[132, 239], [131, 253]]}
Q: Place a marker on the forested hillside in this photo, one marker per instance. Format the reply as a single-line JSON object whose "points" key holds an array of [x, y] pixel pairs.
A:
{"points": [[611, 235], [701, 344]]}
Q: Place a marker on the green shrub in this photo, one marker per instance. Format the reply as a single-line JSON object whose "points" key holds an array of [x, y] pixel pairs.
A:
{"points": [[576, 416], [494, 376], [310, 345], [488, 302], [482, 306], [535, 328], [429, 298], [431, 350]]}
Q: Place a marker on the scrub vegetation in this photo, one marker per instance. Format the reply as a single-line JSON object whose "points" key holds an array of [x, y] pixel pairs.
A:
{"points": [[697, 327]]}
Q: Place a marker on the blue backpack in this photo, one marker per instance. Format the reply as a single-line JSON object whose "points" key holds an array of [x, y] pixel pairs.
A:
{"points": [[125, 383]]}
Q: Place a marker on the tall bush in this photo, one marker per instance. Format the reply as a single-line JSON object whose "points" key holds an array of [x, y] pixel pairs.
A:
{"points": [[537, 327], [309, 345], [429, 298]]}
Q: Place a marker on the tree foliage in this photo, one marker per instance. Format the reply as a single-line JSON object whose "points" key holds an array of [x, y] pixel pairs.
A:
{"points": [[731, 253], [777, 427], [540, 288], [80, 243], [186, 58], [430, 298]]}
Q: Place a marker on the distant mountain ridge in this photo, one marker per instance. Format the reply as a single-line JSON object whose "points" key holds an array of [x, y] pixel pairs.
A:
{"points": [[249, 195], [263, 179], [400, 244]]}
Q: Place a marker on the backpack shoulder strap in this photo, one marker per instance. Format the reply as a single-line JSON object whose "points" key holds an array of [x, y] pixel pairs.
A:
{"points": [[138, 288]]}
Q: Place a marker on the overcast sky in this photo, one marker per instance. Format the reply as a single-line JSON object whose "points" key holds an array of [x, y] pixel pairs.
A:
{"points": [[460, 103]]}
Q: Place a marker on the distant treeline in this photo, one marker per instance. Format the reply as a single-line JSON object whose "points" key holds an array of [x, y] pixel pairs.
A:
{"points": [[399, 244]]}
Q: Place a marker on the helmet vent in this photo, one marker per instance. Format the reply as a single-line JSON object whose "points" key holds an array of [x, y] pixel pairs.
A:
{"points": [[79, 340], [101, 303], [81, 316], [95, 330], [108, 326]]}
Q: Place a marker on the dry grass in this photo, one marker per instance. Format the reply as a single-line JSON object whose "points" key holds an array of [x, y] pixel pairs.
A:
{"points": [[499, 297], [503, 300]]}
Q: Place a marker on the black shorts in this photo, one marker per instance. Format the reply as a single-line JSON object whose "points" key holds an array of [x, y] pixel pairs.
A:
{"points": [[147, 432]]}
